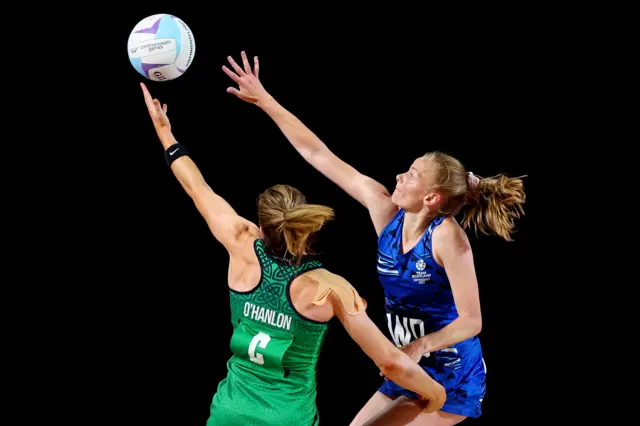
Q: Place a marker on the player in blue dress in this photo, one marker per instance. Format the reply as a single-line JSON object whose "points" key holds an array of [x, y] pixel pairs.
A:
{"points": [[425, 262]]}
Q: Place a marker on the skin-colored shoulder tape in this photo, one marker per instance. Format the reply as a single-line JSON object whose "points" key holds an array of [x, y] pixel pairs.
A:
{"points": [[328, 282]]}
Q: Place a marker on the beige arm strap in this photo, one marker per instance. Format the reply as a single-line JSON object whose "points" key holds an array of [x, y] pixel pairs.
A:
{"points": [[327, 282]]}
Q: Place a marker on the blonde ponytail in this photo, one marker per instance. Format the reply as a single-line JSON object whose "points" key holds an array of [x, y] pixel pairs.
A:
{"points": [[491, 206], [287, 220], [494, 205], [302, 221]]}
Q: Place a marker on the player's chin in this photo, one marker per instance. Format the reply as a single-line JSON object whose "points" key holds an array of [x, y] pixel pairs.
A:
{"points": [[400, 200], [396, 198]]}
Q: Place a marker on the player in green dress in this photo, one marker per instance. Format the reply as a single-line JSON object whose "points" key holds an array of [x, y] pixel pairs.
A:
{"points": [[281, 301]]}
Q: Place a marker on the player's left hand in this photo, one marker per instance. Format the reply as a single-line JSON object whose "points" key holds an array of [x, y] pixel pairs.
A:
{"points": [[158, 113], [249, 87], [414, 350]]}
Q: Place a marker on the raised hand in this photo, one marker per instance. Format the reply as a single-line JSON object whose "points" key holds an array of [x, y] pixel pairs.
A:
{"points": [[158, 113], [249, 87]]}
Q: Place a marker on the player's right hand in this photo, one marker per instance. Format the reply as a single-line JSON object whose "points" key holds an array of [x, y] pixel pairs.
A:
{"points": [[157, 112], [249, 87]]}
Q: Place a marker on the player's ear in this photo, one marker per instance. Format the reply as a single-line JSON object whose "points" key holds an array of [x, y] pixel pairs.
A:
{"points": [[432, 198]]}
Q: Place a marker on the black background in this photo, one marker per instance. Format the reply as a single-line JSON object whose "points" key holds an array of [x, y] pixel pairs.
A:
{"points": [[153, 319]]}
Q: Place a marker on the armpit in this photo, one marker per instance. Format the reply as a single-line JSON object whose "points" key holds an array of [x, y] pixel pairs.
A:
{"points": [[327, 282]]}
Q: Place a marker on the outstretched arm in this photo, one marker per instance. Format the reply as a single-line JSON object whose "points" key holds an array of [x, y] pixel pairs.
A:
{"points": [[392, 362], [370, 193], [349, 307], [226, 225]]}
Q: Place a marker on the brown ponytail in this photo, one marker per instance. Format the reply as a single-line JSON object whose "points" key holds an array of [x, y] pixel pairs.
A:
{"points": [[494, 204], [287, 220]]}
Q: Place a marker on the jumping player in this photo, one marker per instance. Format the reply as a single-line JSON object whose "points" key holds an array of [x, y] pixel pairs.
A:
{"points": [[425, 262], [281, 302]]}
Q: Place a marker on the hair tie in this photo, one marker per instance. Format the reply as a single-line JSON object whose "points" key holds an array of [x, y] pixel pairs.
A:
{"points": [[472, 181]]}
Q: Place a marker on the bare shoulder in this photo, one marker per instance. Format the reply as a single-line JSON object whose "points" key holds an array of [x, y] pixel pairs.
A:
{"points": [[245, 230], [336, 291], [374, 188], [304, 293], [309, 292], [304, 285], [378, 202], [450, 238], [245, 235], [313, 286]]}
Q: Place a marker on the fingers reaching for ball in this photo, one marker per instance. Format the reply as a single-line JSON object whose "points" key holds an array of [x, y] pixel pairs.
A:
{"points": [[157, 111], [247, 67], [245, 63], [147, 96], [231, 74], [237, 67], [152, 104], [249, 87], [240, 72]]}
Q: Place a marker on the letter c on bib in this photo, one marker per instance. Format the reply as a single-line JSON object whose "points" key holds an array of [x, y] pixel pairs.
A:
{"points": [[261, 339]]}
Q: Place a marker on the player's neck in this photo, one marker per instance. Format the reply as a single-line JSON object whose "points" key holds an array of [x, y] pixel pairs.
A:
{"points": [[413, 227]]}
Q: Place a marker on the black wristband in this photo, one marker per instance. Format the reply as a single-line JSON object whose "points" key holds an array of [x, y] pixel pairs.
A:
{"points": [[174, 152]]}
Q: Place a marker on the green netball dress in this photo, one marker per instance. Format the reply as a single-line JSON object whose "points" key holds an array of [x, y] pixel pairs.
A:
{"points": [[271, 374]]}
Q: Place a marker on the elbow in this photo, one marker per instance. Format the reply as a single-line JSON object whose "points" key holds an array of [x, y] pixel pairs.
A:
{"points": [[475, 324], [391, 370], [391, 365], [312, 154], [468, 324], [195, 188]]}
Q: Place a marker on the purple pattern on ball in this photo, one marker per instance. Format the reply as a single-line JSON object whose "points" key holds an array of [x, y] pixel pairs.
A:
{"points": [[152, 29], [181, 70], [147, 67]]}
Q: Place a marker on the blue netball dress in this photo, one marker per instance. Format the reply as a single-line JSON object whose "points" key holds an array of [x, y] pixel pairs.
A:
{"points": [[419, 301]]}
